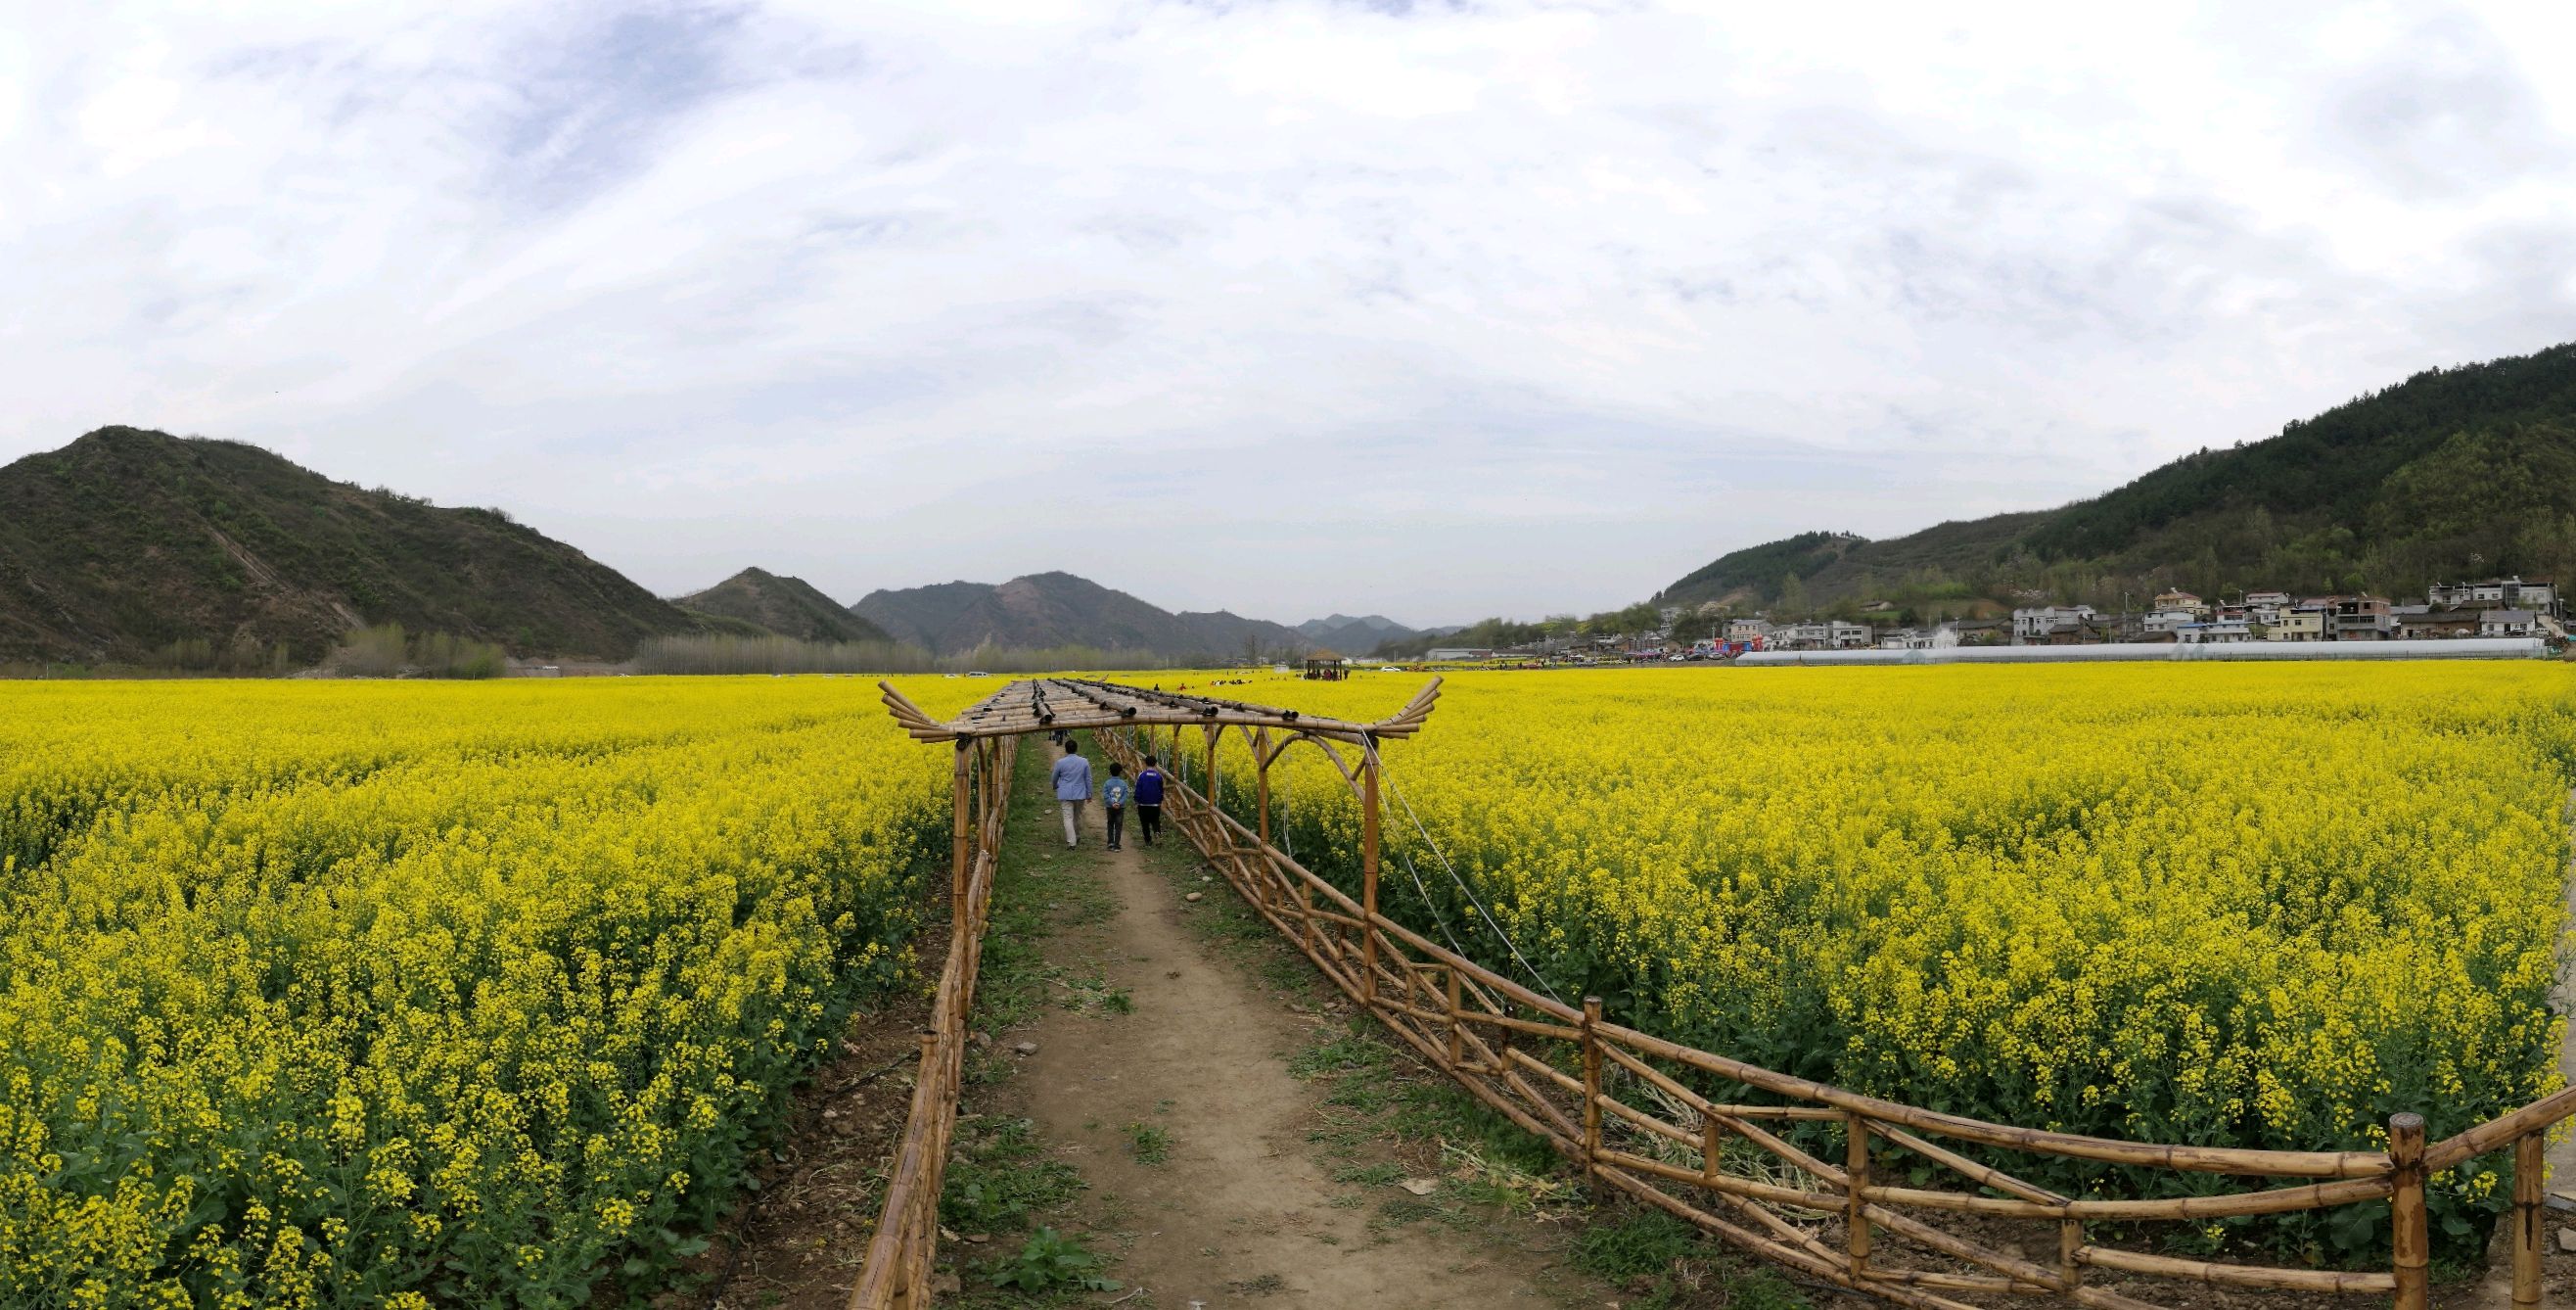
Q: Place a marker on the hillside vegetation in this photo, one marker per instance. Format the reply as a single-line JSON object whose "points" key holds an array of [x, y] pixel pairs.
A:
{"points": [[126, 543], [788, 607], [2454, 472], [1045, 610]]}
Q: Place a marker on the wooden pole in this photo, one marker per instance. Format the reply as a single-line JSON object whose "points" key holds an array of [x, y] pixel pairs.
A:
{"points": [[1215, 802], [2529, 1170], [1856, 1174], [2409, 1228], [1368, 876], [2070, 1239], [961, 852], [1591, 1088], [1261, 784], [1457, 1027]]}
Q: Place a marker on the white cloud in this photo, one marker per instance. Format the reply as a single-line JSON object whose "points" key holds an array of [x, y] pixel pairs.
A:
{"points": [[1290, 307]]}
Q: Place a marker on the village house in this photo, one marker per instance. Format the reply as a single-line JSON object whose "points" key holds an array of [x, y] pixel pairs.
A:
{"points": [[2301, 622], [2221, 632], [2031, 624], [1802, 636], [1842, 635], [2164, 621], [2423, 622], [2539, 595], [2508, 623], [1748, 630], [2361, 618], [2183, 601]]}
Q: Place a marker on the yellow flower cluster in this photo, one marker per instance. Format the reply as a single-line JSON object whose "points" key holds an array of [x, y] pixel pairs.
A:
{"points": [[399, 994], [2227, 904]]}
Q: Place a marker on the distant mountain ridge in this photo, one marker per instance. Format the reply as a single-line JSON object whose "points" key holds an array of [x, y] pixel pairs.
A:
{"points": [[2452, 473], [128, 540], [790, 607], [1042, 610], [1345, 635]]}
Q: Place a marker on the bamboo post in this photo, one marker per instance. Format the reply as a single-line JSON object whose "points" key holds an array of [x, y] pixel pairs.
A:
{"points": [[961, 852], [2529, 1171], [1591, 1087], [1711, 1148], [1457, 1026], [1856, 1173], [1261, 780], [2070, 1239], [1215, 802], [2409, 1229], [1368, 876]]}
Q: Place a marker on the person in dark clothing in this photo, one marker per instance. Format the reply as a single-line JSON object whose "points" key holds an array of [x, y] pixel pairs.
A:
{"points": [[1149, 800]]}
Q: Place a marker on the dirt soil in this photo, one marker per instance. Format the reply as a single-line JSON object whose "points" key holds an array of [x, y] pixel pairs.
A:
{"points": [[1241, 1208]]}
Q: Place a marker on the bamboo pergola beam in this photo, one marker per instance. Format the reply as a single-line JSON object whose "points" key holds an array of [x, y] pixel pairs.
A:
{"points": [[1070, 704]]}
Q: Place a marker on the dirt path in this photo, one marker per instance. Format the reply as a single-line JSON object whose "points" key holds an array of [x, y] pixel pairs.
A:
{"points": [[1239, 1207]]}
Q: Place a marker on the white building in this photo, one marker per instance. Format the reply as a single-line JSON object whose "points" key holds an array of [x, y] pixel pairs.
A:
{"points": [[2508, 623], [2033, 624], [2538, 594], [2215, 632], [2170, 620], [1847, 636]]}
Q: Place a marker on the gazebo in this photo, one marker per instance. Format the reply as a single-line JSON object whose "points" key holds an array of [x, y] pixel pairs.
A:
{"points": [[1325, 666]]}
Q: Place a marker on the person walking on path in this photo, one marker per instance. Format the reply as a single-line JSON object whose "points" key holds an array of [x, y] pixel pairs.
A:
{"points": [[1149, 800], [1113, 794], [1072, 790]]}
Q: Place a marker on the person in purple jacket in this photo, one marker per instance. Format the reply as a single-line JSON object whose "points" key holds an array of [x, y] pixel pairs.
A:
{"points": [[1149, 800]]}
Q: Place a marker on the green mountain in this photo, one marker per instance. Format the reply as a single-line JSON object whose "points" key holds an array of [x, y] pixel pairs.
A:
{"points": [[790, 607], [2451, 473], [1048, 610], [126, 541]]}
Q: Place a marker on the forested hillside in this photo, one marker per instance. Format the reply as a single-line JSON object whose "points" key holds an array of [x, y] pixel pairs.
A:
{"points": [[2453, 472], [126, 541]]}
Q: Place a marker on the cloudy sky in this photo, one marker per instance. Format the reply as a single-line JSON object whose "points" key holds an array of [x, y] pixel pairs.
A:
{"points": [[1433, 309]]}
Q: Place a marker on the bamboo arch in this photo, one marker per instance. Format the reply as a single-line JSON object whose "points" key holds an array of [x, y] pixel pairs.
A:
{"points": [[1621, 1103]]}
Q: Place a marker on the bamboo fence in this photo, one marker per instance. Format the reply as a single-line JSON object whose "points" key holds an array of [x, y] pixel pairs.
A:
{"points": [[1632, 1110], [896, 1272]]}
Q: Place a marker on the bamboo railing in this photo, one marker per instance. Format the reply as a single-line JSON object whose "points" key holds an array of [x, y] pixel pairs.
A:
{"points": [[1621, 1104], [896, 1273]]}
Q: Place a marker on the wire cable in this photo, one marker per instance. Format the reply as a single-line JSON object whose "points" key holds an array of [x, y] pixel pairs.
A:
{"points": [[1508, 944]]}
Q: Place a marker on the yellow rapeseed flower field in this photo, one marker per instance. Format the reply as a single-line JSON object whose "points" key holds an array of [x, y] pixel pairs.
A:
{"points": [[393, 994], [2227, 904]]}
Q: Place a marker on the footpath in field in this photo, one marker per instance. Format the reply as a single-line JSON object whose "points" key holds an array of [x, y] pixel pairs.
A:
{"points": [[1237, 1141]]}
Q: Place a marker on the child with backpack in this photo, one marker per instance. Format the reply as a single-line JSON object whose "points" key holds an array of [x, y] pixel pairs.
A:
{"points": [[1113, 794]]}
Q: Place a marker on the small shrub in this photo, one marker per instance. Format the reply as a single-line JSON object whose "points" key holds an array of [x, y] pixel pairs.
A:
{"points": [[1050, 1262]]}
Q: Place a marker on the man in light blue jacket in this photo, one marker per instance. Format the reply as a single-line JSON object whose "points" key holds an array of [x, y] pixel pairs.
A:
{"points": [[1072, 789]]}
